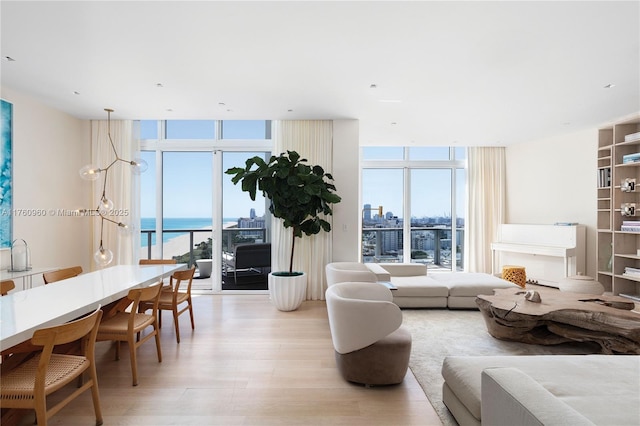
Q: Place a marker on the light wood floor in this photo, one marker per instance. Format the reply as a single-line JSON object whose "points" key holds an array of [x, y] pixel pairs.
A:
{"points": [[246, 363]]}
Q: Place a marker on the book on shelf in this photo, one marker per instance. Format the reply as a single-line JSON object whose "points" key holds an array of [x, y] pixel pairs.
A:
{"points": [[631, 158], [604, 177], [632, 137], [631, 270], [631, 222], [627, 228], [635, 297]]}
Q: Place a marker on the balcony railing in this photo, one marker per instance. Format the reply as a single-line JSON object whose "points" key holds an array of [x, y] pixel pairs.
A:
{"points": [[429, 245], [230, 238]]}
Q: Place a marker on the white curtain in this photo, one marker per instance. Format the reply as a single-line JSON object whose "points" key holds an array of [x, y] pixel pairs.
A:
{"points": [[486, 204], [122, 187], [313, 140]]}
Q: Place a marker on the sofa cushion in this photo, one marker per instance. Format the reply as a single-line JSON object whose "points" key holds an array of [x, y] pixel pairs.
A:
{"points": [[603, 388], [511, 397], [470, 283], [423, 286], [405, 269], [380, 273]]}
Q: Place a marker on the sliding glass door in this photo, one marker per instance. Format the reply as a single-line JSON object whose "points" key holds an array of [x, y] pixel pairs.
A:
{"points": [[190, 209]]}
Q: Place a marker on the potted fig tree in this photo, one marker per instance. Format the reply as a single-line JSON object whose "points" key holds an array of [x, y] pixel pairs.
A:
{"points": [[299, 194]]}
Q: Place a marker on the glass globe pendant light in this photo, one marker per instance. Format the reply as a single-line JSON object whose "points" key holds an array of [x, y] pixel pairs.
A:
{"points": [[103, 256]]}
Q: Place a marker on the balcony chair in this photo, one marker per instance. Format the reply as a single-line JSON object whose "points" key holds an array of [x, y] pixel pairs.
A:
{"points": [[248, 256], [171, 298], [6, 286], [371, 346], [122, 325], [61, 274], [28, 385]]}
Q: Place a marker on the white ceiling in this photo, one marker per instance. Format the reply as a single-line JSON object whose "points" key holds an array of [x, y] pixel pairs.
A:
{"points": [[471, 73]]}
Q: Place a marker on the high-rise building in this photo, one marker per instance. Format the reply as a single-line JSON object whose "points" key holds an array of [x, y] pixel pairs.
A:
{"points": [[367, 212]]}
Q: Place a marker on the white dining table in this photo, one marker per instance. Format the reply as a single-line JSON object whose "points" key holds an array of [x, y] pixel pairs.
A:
{"points": [[23, 312]]}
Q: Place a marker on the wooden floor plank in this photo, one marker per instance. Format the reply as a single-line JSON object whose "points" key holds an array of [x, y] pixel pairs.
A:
{"points": [[246, 363]]}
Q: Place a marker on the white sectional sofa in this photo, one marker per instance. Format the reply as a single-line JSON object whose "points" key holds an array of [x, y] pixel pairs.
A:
{"points": [[550, 390], [416, 289]]}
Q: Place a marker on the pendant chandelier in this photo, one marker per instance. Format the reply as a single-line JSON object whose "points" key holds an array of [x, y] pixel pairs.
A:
{"points": [[103, 256]]}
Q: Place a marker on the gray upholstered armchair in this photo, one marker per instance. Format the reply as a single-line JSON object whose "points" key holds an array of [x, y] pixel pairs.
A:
{"points": [[371, 346]]}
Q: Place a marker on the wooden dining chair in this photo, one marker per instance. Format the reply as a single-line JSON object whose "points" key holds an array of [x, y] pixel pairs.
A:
{"points": [[6, 286], [28, 385], [172, 297], [126, 325], [159, 262], [61, 274]]}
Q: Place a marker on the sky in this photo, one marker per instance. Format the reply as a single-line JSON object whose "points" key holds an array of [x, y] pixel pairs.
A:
{"points": [[188, 176]]}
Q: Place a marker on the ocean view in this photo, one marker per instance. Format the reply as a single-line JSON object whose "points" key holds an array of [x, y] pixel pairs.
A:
{"points": [[149, 224]]}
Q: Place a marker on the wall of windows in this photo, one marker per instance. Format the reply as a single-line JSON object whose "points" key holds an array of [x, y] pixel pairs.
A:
{"points": [[189, 208], [413, 205]]}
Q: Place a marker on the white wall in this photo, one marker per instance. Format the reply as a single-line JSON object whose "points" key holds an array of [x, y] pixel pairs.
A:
{"points": [[49, 147], [554, 180], [346, 174]]}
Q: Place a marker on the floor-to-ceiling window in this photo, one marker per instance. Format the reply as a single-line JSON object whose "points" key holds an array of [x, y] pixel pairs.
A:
{"points": [[413, 204], [189, 208]]}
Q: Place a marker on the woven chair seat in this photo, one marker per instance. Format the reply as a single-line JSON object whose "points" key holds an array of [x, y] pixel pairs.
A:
{"points": [[117, 325], [19, 383], [166, 298]]}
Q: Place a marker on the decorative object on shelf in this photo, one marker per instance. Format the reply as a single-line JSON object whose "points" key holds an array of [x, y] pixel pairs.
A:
{"points": [[20, 256], [103, 256], [628, 209], [532, 296], [515, 274], [628, 185], [300, 195], [580, 284]]}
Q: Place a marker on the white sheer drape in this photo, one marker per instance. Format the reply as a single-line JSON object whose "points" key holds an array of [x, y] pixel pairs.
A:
{"points": [[123, 188], [313, 140], [486, 204]]}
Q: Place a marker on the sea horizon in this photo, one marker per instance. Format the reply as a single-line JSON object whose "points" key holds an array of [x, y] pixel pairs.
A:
{"points": [[177, 223]]}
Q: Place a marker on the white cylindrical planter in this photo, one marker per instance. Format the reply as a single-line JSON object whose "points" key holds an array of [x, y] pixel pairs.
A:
{"points": [[287, 292]]}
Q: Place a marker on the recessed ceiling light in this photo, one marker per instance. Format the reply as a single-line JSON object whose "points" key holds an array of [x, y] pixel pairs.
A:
{"points": [[159, 85], [373, 86], [9, 59], [221, 103], [75, 92], [393, 123], [609, 86], [169, 110], [289, 110]]}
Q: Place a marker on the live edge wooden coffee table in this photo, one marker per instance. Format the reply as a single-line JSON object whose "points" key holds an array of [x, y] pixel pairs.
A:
{"points": [[562, 317]]}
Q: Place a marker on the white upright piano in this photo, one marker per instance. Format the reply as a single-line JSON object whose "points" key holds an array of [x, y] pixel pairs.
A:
{"points": [[559, 243]]}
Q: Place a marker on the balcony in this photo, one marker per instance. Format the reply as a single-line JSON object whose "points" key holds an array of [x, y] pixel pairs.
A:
{"points": [[429, 245], [189, 245]]}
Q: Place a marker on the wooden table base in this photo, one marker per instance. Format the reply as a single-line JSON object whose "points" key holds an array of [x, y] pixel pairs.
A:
{"points": [[563, 317]]}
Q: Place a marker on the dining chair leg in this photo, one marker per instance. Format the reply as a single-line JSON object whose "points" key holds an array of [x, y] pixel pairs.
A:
{"points": [[95, 396], [134, 361], [193, 324], [175, 322], [41, 410], [158, 347]]}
